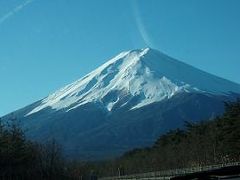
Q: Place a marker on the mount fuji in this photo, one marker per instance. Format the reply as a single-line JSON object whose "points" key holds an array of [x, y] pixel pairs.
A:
{"points": [[126, 103]]}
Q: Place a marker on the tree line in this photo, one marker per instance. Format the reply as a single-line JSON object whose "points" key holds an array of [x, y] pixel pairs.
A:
{"points": [[207, 142], [24, 159]]}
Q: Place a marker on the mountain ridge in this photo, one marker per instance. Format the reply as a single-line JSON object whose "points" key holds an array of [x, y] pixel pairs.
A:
{"points": [[129, 73], [126, 103]]}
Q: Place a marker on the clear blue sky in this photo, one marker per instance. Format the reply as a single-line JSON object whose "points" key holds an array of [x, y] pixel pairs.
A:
{"points": [[46, 44]]}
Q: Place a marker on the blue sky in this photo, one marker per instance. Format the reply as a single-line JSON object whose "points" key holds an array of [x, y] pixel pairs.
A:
{"points": [[46, 44]]}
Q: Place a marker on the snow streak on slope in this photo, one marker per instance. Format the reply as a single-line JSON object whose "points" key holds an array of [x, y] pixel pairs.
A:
{"points": [[146, 74]]}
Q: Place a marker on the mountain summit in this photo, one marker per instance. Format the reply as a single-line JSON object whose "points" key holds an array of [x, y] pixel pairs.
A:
{"points": [[146, 75], [126, 103]]}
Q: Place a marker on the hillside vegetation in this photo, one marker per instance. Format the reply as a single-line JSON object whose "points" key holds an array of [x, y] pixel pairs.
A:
{"points": [[209, 142]]}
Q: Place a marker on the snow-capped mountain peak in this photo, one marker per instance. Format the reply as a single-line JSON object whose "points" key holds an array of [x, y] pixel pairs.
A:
{"points": [[135, 78]]}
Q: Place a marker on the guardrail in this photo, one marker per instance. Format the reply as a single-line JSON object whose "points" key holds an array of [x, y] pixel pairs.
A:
{"points": [[170, 173]]}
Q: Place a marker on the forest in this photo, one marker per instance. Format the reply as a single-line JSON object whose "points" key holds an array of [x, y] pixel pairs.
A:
{"points": [[215, 141]]}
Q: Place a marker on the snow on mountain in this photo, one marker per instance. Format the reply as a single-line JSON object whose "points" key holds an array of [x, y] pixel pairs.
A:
{"points": [[148, 74]]}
